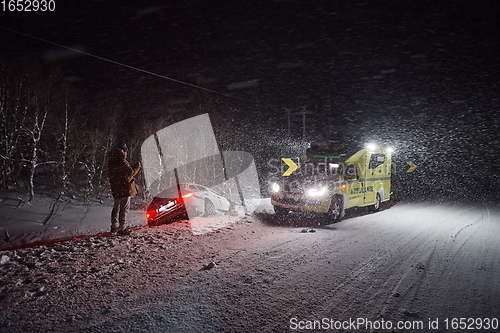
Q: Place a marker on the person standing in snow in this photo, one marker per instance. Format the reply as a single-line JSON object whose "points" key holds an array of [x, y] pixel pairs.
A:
{"points": [[121, 179]]}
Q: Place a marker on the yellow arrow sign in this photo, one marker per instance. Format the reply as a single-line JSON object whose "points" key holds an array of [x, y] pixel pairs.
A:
{"points": [[412, 165], [291, 166]]}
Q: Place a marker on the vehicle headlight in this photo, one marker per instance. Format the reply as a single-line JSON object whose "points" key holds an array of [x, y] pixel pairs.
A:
{"points": [[317, 191], [275, 187]]}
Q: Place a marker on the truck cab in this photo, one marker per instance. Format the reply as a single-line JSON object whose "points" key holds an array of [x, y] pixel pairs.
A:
{"points": [[334, 178]]}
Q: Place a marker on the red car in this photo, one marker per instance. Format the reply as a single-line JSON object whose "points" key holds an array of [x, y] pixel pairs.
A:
{"points": [[193, 200]]}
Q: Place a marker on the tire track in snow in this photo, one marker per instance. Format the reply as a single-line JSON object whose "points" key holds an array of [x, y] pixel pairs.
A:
{"points": [[384, 267], [412, 256], [472, 265], [453, 271]]}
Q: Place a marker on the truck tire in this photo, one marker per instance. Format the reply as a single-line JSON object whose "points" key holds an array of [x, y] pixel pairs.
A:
{"points": [[281, 211], [336, 211], [376, 207]]}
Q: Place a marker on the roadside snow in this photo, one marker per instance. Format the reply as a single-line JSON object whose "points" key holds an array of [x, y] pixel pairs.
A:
{"points": [[21, 223]]}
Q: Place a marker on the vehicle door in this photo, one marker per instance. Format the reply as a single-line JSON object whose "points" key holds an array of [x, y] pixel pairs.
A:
{"points": [[205, 193], [353, 186], [223, 202], [374, 177]]}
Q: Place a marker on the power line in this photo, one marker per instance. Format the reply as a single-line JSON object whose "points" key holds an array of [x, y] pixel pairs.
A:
{"points": [[122, 64]]}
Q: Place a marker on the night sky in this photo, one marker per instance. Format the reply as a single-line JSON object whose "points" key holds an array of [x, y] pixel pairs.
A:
{"points": [[421, 74]]}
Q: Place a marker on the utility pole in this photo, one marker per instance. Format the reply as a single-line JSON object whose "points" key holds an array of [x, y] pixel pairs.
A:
{"points": [[288, 115], [303, 122], [330, 108], [302, 113]]}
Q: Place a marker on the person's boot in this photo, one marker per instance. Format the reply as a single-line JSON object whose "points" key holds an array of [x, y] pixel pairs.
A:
{"points": [[124, 232]]}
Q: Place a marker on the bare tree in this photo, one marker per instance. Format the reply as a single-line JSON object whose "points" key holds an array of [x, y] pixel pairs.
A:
{"points": [[34, 133], [40, 97], [12, 120], [28, 96], [64, 173]]}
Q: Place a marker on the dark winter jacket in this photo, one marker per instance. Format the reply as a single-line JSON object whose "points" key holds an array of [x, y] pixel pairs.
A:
{"points": [[121, 175]]}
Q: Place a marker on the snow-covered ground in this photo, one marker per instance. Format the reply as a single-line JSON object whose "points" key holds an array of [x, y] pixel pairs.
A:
{"points": [[21, 223], [412, 264]]}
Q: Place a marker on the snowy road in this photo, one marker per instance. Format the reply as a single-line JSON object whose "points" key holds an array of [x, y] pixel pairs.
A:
{"points": [[412, 264]]}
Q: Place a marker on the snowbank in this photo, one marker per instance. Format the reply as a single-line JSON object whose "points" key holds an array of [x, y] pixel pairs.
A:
{"points": [[21, 223]]}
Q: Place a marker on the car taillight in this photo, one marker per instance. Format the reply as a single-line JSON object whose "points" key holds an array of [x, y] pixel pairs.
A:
{"points": [[150, 215], [187, 195]]}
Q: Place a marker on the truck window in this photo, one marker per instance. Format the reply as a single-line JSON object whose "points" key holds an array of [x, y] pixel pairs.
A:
{"points": [[335, 168], [350, 172], [376, 160]]}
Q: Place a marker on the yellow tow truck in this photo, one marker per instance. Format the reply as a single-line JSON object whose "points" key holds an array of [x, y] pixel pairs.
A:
{"points": [[334, 178]]}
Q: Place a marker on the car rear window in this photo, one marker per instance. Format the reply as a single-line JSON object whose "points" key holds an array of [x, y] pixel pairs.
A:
{"points": [[171, 192]]}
